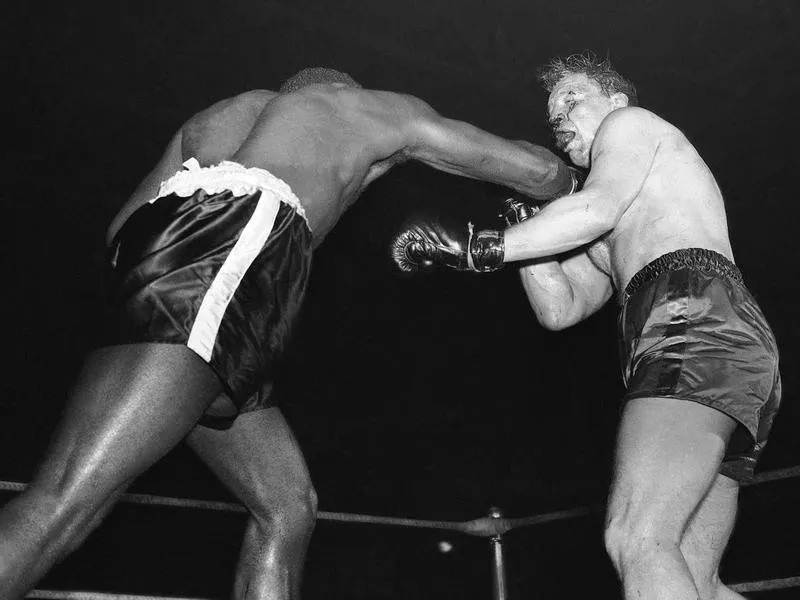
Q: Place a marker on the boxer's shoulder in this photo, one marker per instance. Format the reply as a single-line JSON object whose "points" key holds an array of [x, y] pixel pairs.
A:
{"points": [[635, 119], [251, 102]]}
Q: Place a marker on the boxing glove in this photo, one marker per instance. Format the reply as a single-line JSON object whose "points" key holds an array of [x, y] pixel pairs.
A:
{"points": [[519, 208], [516, 210], [427, 244]]}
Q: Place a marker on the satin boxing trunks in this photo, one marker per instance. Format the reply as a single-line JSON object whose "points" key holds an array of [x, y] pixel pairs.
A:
{"points": [[218, 262], [690, 330]]}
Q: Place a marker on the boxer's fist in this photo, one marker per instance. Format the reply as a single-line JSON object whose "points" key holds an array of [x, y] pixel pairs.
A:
{"points": [[428, 244]]}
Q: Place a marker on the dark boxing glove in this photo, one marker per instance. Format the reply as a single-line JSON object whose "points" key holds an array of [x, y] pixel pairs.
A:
{"points": [[516, 210], [424, 245], [519, 208]]}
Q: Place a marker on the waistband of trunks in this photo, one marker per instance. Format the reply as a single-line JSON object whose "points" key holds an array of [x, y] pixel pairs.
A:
{"points": [[699, 259], [228, 176]]}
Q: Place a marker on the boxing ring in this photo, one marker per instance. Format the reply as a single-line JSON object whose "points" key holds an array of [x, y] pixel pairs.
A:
{"points": [[493, 526]]}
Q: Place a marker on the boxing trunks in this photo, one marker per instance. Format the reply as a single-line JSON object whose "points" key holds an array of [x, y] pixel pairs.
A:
{"points": [[690, 330], [218, 262]]}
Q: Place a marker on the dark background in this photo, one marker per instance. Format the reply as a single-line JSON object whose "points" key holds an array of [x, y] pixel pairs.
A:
{"points": [[433, 397]]}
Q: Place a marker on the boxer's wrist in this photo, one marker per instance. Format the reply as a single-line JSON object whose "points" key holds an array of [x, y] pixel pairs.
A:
{"points": [[486, 249]]}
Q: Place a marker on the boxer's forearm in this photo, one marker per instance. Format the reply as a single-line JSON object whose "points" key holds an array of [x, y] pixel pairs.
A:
{"points": [[463, 149], [549, 176], [566, 224]]}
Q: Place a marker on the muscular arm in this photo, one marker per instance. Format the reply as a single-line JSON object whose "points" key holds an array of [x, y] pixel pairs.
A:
{"points": [[622, 156], [565, 292], [463, 149]]}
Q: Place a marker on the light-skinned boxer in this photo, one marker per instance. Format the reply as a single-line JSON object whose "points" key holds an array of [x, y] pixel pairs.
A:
{"points": [[699, 360]]}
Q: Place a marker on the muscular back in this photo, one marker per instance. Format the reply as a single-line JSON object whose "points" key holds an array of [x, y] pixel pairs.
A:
{"points": [[216, 133], [329, 142]]}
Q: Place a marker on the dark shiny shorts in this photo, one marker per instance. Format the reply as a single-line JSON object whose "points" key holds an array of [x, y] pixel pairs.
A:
{"points": [[188, 270], [690, 330]]}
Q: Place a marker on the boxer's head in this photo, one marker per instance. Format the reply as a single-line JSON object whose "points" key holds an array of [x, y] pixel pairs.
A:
{"points": [[314, 75], [584, 89], [595, 68]]}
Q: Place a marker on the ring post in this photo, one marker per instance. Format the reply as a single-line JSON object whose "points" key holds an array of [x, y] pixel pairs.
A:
{"points": [[496, 554]]}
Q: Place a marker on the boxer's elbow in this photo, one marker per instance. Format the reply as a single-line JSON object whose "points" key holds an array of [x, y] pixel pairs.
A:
{"points": [[547, 321], [555, 316], [550, 295], [556, 321]]}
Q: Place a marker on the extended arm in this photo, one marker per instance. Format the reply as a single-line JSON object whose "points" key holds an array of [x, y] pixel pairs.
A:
{"points": [[463, 149]]}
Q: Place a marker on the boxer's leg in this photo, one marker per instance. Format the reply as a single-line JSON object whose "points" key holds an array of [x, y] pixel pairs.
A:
{"points": [[707, 536], [668, 456], [259, 460], [129, 406]]}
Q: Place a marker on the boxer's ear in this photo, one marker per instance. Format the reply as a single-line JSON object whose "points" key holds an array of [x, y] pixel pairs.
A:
{"points": [[619, 99]]}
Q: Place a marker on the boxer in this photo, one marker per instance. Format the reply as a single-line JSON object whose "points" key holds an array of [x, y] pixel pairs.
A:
{"points": [[699, 359]]}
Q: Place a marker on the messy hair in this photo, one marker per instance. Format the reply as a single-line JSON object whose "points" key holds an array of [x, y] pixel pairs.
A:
{"points": [[314, 75], [598, 69]]}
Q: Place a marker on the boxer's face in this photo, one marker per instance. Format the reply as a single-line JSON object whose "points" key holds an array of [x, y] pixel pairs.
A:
{"points": [[576, 107]]}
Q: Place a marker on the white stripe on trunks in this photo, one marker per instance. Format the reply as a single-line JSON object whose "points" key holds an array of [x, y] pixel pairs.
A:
{"points": [[219, 294], [239, 180]]}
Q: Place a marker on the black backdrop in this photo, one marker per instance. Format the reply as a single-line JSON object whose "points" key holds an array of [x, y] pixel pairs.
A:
{"points": [[432, 397]]}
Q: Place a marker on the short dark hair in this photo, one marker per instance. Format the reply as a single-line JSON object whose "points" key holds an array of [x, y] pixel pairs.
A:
{"points": [[598, 69], [312, 75]]}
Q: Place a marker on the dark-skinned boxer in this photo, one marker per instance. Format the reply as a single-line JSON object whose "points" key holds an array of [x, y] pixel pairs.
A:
{"points": [[209, 261]]}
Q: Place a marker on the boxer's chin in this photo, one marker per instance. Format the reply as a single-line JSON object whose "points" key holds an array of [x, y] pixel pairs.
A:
{"points": [[578, 156]]}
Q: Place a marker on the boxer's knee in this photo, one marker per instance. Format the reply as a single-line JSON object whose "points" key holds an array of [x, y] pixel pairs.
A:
{"points": [[40, 527], [67, 515], [289, 513], [635, 535], [298, 514]]}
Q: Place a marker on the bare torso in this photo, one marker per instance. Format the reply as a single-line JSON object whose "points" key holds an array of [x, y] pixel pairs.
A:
{"points": [[679, 206], [326, 142]]}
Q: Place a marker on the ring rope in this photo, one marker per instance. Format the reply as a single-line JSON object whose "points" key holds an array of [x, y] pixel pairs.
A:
{"points": [[765, 585], [79, 595], [774, 475], [745, 587], [484, 526]]}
